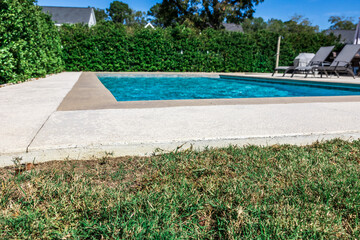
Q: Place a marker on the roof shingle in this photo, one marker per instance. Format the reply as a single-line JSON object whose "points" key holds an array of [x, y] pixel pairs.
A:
{"points": [[232, 27], [71, 15], [347, 36]]}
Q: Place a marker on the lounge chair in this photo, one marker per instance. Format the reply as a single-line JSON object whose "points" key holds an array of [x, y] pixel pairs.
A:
{"points": [[317, 61], [286, 69], [342, 62]]}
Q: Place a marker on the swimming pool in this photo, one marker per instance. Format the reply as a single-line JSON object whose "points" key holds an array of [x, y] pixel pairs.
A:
{"points": [[180, 87]]}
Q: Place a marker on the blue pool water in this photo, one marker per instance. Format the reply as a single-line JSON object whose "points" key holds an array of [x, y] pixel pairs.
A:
{"points": [[140, 88]]}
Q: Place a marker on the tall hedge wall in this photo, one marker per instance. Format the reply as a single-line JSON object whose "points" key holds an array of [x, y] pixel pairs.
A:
{"points": [[30, 44], [112, 47]]}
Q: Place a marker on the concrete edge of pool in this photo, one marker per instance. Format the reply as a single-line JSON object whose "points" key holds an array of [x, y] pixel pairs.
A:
{"points": [[90, 94]]}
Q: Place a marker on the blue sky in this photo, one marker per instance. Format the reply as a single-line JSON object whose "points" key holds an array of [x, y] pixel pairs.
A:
{"points": [[318, 11]]}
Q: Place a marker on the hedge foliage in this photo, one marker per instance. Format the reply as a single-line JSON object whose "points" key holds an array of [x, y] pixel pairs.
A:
{"points": [[113, 47], [30, 44]]}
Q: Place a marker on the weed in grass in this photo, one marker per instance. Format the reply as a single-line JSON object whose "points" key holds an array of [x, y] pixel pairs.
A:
{"points": [[276, 192]]}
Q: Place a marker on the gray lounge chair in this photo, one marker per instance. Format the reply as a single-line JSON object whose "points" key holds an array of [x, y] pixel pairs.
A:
{"points": [[317, 61], [286, 69], [342, 62]]}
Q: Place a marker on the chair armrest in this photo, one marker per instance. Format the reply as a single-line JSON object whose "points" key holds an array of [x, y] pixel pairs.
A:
{"points": [[348, 63]]}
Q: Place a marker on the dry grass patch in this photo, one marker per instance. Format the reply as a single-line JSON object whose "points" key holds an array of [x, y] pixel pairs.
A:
{"points": [[278, 192]]}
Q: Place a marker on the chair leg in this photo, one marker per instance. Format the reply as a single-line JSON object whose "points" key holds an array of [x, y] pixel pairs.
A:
{"points": [[337, 74], [286, 71], [351, 73], [326, 73], [293, 73], [273, 73]]}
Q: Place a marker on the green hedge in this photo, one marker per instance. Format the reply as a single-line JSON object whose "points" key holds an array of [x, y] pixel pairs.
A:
{"points": [[113, 47], [30, 44]]}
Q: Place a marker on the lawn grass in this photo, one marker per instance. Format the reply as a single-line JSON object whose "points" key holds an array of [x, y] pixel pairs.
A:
{"points": [[277, 192]]}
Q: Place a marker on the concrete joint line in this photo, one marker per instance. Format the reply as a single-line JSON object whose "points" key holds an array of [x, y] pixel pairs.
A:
{"points": [[27, 148]]}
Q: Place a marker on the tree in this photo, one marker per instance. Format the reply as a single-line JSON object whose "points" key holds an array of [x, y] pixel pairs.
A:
{"points": [[275, 25], [172, 12], [342, 23], [138, 17], [121, 13], [254, 24], [202, 13], [100, 14], [164, 15], [299, 23]]}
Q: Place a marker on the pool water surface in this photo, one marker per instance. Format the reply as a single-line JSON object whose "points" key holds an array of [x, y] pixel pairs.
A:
{"points": [[149, 87]]}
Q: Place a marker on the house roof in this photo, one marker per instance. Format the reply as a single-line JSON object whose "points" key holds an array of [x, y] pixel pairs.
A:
{"points": [[233, 27], [347, 36], [71, 15]]}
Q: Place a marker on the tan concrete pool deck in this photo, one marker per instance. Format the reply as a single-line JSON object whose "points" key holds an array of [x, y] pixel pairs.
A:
{"points": [[60, 117]]}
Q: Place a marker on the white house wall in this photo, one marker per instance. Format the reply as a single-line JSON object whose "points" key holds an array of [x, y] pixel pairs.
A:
{"points": [[92, 20]]}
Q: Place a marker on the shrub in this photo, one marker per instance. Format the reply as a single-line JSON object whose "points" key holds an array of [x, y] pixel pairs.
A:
{"points": [[30, 44], [113, 47]]}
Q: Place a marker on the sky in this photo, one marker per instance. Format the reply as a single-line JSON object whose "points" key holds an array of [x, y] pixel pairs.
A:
{"points": [[318, 11]]}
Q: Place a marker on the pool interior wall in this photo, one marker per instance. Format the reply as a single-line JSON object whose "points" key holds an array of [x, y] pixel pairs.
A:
{"points": [[128, 87]]}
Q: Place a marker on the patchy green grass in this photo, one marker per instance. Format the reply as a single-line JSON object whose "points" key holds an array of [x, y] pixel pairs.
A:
{"points": [[278, 192]]}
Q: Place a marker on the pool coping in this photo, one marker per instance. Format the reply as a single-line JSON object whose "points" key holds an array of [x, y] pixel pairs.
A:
{"points": [[90, 94]]}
